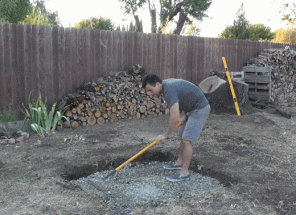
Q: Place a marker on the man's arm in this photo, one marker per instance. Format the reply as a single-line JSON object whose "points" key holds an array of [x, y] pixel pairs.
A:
{"points": [[175, 120]]}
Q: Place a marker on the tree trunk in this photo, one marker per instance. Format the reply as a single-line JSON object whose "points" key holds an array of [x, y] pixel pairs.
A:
{"points": [[153, 20], [180, 24], [219, 94], [139, 24], [164, 15]]}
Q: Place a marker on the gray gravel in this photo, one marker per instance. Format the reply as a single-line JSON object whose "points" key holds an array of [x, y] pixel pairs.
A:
{"points": [[143, 186]]}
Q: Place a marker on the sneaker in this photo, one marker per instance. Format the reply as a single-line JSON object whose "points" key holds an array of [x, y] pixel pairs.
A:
{"points": [[177, 177], [172, 166]]}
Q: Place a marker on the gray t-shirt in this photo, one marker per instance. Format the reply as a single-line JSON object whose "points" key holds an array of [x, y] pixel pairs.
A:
{"points": [[189, 96]]}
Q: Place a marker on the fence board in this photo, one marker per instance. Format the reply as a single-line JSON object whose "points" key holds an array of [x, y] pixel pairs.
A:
{"points": [[60, 68], [119, 41], [21, 63], [102, 52], [14, 67], [50, 74], [189, 59], [166, 54], [109, 52], [125, 51], [96, 53], [40, 62], [154, 53], [194, 60], [2, 69], [74, 59], [181, 59], [159, 56], [80, 56], [92, 54], [209, 58], [42, 66], [139, 48], [67, 70], [35, 56], [86, 59], [27, 62], [7, 65], [200, 58], [146, 53], [129, 48], [34, 71], [218, 54]]}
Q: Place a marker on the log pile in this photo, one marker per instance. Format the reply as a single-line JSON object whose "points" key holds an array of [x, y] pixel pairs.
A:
{"points": [[110, 98], [283, 75]]}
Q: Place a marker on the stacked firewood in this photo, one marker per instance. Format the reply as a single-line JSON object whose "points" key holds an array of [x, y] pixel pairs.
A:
{"points": [[283, 73], [110, 98]]}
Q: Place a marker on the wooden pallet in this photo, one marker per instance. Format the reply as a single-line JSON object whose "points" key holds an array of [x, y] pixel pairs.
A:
{"points": [[237, 75], [259, 79]]}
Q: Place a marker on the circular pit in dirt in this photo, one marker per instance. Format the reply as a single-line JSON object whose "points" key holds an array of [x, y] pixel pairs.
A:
{"points": [[142, 184]]}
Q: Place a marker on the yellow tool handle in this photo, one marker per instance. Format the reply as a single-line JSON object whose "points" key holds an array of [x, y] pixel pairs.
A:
{"points": [[231, 87], [136, 155]]}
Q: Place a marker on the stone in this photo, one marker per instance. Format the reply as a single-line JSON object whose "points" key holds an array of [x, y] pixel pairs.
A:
{"points": [[21, 139], [3, 141], [11, 141]]}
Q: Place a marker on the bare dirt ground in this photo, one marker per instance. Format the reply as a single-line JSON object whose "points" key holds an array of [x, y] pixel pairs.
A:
{"points": [[252, 155]]}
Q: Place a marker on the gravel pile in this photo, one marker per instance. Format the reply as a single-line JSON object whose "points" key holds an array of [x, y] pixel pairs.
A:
{"points": [[143, 186]]}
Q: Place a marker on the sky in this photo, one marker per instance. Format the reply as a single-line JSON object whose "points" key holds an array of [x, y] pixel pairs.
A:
{"points": [[221, 13]]}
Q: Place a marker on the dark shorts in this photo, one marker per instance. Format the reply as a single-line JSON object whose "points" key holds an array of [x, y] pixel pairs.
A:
{"points": [[194, 124]]}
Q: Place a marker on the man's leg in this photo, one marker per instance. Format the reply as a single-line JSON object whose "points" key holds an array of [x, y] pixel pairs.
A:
{"points": [[186, 156], [184, 159], [192, 129], [180, 158]]}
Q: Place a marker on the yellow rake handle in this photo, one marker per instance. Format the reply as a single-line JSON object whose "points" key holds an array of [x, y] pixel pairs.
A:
{"points": [[136, 155], [231, 87]]}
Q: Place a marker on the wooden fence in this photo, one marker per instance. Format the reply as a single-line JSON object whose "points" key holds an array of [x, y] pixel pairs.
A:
{"points": [[56, 61]]}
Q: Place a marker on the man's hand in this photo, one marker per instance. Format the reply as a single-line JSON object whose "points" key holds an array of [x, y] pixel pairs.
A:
{"points": [[161, 138], [183, 117]]}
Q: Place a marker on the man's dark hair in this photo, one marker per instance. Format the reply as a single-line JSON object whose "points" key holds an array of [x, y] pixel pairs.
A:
{"points": [[151, 79]]}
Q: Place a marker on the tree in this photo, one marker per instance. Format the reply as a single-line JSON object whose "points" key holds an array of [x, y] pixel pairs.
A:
{"points": [[191, 30], [14, 11], [285, 36], [41, 16], [152, 11], [95, 23], [258, 32], [289, 13], [184, 10], [239, 28], [132, 7]]}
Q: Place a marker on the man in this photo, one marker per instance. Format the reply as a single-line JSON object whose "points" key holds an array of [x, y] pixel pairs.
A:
{"points": [[189, 108]]}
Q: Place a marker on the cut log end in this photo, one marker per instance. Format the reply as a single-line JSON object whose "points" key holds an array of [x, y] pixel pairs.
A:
{"points": [[91, 120], [74, 124]]}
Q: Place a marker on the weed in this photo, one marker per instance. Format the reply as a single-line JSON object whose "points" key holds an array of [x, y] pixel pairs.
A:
{"points": [[5, 117], [8, 116], [39, 118], [17, 163]]}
